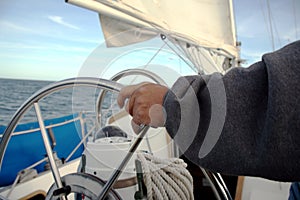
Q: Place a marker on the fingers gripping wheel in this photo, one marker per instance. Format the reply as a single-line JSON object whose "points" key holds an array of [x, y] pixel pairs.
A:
{"points": [[82, 185], [122, 74]]}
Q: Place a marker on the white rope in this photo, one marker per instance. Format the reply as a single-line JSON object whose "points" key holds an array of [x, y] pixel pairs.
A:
{"points": [[166, 178]]}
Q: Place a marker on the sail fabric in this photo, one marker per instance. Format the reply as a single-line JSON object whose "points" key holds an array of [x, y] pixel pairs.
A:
{"points": [[118, 33], [208, 23], [204, 30]]}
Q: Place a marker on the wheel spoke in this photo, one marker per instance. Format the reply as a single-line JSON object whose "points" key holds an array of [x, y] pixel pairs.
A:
{"points": [[53, 167]]}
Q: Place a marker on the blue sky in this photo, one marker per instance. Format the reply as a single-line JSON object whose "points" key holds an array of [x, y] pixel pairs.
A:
{"points": [[45, 39], [50, 40]]}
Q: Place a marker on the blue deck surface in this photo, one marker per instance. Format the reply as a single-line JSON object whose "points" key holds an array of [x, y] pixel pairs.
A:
{"points": [[26, 149]]}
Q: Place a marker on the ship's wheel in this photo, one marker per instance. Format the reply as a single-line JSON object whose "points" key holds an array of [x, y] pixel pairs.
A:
{"points": [[69, 183], [81, 183]]}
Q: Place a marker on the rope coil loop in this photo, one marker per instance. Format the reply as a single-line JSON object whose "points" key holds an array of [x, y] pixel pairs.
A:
{"points": [[166, 178]]}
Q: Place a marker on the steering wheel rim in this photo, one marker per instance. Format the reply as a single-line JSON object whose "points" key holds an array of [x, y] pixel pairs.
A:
{"points": [[78, 183], [36, 97], [82, 81]]}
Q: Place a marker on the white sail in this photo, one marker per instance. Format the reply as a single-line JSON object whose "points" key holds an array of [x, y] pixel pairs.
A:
{"points": [[193, 24]]}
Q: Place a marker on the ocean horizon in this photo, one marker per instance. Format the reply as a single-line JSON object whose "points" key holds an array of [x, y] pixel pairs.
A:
{"points": [[64, 102], [14, 94]]}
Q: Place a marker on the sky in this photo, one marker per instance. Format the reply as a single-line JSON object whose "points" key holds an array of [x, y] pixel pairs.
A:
{"points": [[51, 40]]}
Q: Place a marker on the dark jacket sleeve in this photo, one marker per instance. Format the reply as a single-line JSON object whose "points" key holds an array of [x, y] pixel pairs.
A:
{"points": [[246, 122]]}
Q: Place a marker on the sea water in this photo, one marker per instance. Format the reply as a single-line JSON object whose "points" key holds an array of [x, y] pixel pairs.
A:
{"points": [[15, 92]]}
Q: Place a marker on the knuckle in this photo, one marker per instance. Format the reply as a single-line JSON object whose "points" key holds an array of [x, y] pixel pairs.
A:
{"points": [[142, 89], [140, 113], [139, 101]]}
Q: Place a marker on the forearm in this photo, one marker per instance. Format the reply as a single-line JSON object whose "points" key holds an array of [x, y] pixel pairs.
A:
{"points": [[220, 135], [244, 126]]}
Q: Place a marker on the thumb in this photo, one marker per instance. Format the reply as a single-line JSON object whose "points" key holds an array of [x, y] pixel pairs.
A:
{"points": [[136, 128], [125, 93]]}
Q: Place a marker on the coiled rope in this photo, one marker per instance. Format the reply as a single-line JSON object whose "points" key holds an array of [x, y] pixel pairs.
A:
{"points": [[166, 178]]}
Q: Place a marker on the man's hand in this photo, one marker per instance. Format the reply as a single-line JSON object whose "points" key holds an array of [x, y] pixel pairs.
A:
{"points": [[145, 104]]}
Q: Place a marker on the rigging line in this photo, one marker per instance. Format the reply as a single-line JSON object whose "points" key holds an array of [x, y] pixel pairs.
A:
{"points": [[295, 18], [275, 28], [154, 55], [196, 51], [211, 60], [187, 53], [263, 13], [276, 31], [270, 24], [180, 48], [200, 59], [147, 64]]}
